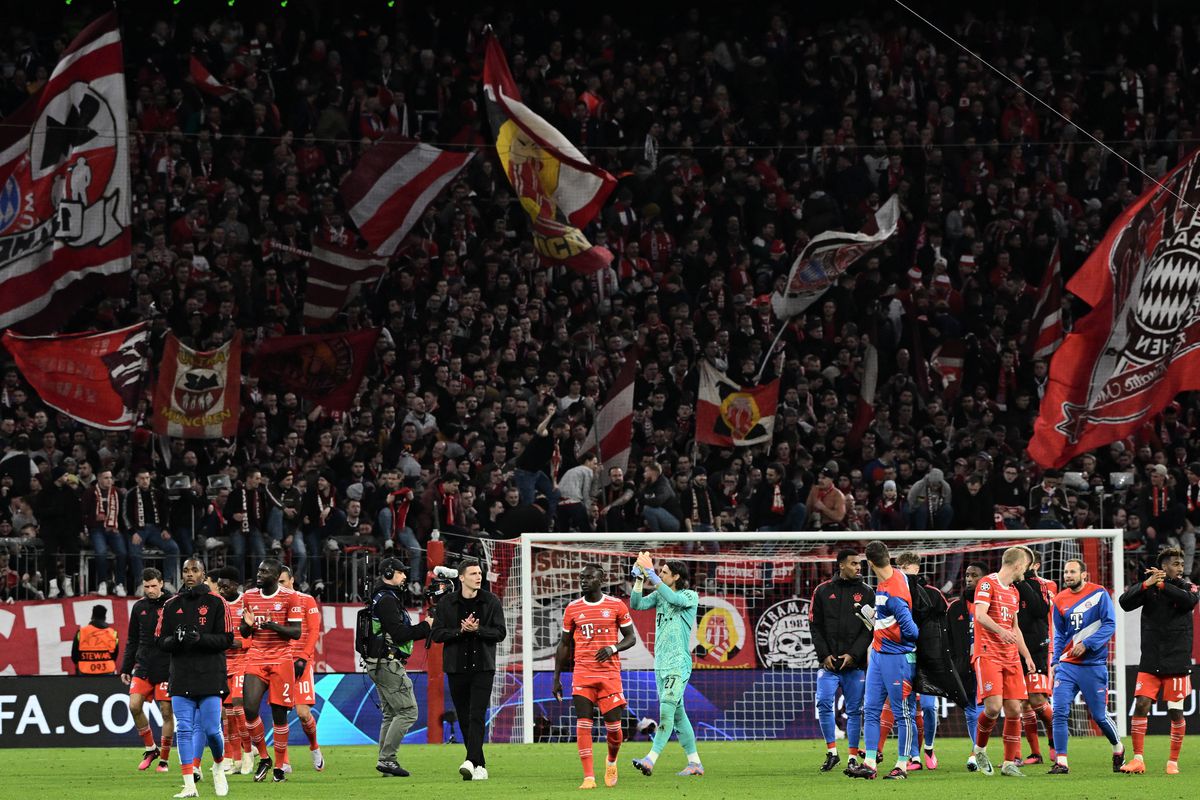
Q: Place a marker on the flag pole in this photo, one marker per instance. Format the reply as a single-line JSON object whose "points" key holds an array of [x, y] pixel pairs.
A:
{"points": [[771, 350]]}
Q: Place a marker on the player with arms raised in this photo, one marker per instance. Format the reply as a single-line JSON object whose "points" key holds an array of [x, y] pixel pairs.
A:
{"points": [[591, 623], [999, 651], [674, 622], [1167, 600], [272, 617], [1084, 623]]}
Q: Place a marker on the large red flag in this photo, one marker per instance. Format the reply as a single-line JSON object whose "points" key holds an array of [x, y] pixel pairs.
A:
{"points": [[554, 182], [326, 368], [199, 392], [393, 184], [1047, 332], [96, 378], [1139, 346], [64, 173], [730, 415]]}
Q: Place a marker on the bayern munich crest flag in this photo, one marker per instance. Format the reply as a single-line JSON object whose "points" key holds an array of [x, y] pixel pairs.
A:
{"points": [[95, 378], [64, 187], [199, 392], [326, 368], [554, 182], [731, 415], [1139, 346]]}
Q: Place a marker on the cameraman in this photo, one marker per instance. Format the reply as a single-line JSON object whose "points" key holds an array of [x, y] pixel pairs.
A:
{"points": [[390, 645], [470, 622]]}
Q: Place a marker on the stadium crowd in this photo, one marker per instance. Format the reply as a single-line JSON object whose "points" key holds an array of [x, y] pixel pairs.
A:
{"points": [[735, 140]]}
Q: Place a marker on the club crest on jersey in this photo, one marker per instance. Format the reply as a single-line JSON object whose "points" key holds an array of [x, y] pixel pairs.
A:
{"points": [[278, 606], [606, 613], [783, 637]]}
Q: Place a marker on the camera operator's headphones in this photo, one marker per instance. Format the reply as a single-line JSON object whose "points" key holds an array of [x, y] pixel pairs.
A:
{"points": [[390, 566]]}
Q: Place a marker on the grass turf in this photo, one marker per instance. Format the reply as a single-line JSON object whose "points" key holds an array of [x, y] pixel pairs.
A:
{"points": [[735, 770]]}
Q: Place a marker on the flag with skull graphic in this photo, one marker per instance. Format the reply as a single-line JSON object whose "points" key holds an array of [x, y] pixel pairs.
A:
{"points": [[1139, 346], [199, 392]]}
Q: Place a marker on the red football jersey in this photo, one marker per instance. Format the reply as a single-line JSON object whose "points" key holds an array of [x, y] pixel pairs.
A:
{"points": [[235, 657], [594, 626], [283, 608], [310, 632], [1003, 604]]}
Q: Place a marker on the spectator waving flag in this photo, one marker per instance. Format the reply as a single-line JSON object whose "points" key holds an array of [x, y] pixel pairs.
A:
{"points": [[393, 184], [556, 185], [827, 256], [199, 392], [731, 415], [1047, 331], [64, 173], [614, 423], [326, 368], [1139, 346], [334, 274], [206, 82], [95, 378]]}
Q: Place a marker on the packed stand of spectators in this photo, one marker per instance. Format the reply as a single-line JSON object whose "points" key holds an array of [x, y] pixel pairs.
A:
{"points": [[735, 139]]}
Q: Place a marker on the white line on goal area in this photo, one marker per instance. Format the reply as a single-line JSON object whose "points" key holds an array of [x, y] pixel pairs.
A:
{"points": [[578, 541]]}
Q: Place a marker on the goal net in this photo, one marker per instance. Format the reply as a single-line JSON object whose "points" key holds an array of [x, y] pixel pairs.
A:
{"points": [[755, 667]]}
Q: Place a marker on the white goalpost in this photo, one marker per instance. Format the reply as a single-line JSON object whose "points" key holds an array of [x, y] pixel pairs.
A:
{"points": [[755, 673]]}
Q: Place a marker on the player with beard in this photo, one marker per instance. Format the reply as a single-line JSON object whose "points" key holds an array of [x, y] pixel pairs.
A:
{"points": [[1084, 623], [304, 651], [1037, 600], [272, 618]]}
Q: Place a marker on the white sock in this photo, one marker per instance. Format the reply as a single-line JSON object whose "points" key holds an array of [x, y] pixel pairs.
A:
{"points": [[693, 758], [869, 763], [1138, 757], [971, 758], [610, 763], [652, 757], [1062, 760], [902, 763], [832, 751], [979, 749], [189, 781], [1118, 748]]}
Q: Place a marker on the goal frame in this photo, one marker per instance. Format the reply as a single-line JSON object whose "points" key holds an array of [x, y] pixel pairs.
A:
{"points": [[528, 540]]}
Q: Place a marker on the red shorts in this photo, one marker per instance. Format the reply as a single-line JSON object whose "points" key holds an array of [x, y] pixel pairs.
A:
{"points": [[992, 678], [1040, 683], [1174, 688], [303, 688], [236, 681], [148, 690], [278, 678], [605, 693]]}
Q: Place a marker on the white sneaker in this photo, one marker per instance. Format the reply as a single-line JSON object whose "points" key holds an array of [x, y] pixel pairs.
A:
{"points": [[189, 787], [120, 590], [68, 588], [247, 764], [102, 589], [480, 774], [287, 768], [318, 759], [220, 781], [467, 770], [230, 766]]}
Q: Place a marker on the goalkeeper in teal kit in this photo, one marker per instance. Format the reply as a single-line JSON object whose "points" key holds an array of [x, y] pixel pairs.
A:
{"points": [[674, 621]]}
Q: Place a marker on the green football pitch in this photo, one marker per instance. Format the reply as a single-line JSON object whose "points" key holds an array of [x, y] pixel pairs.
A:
{"points": [[735, 770]]}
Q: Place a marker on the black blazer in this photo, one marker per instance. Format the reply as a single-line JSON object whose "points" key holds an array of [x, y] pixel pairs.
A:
{"points": [[469, 652]]}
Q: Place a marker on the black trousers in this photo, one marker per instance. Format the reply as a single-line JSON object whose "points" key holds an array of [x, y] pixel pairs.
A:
{"points": [[471, 692]]}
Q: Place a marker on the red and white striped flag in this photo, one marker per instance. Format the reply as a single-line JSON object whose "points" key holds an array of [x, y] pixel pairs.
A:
{"points": [[614, 423], [333, 274], [206, 82], [393, 184], [1047, 331], [64, 187]]}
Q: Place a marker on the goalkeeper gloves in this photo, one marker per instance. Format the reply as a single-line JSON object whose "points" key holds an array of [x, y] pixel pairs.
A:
{"points": [[636, 572], [298, 667], [653, 577]]}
